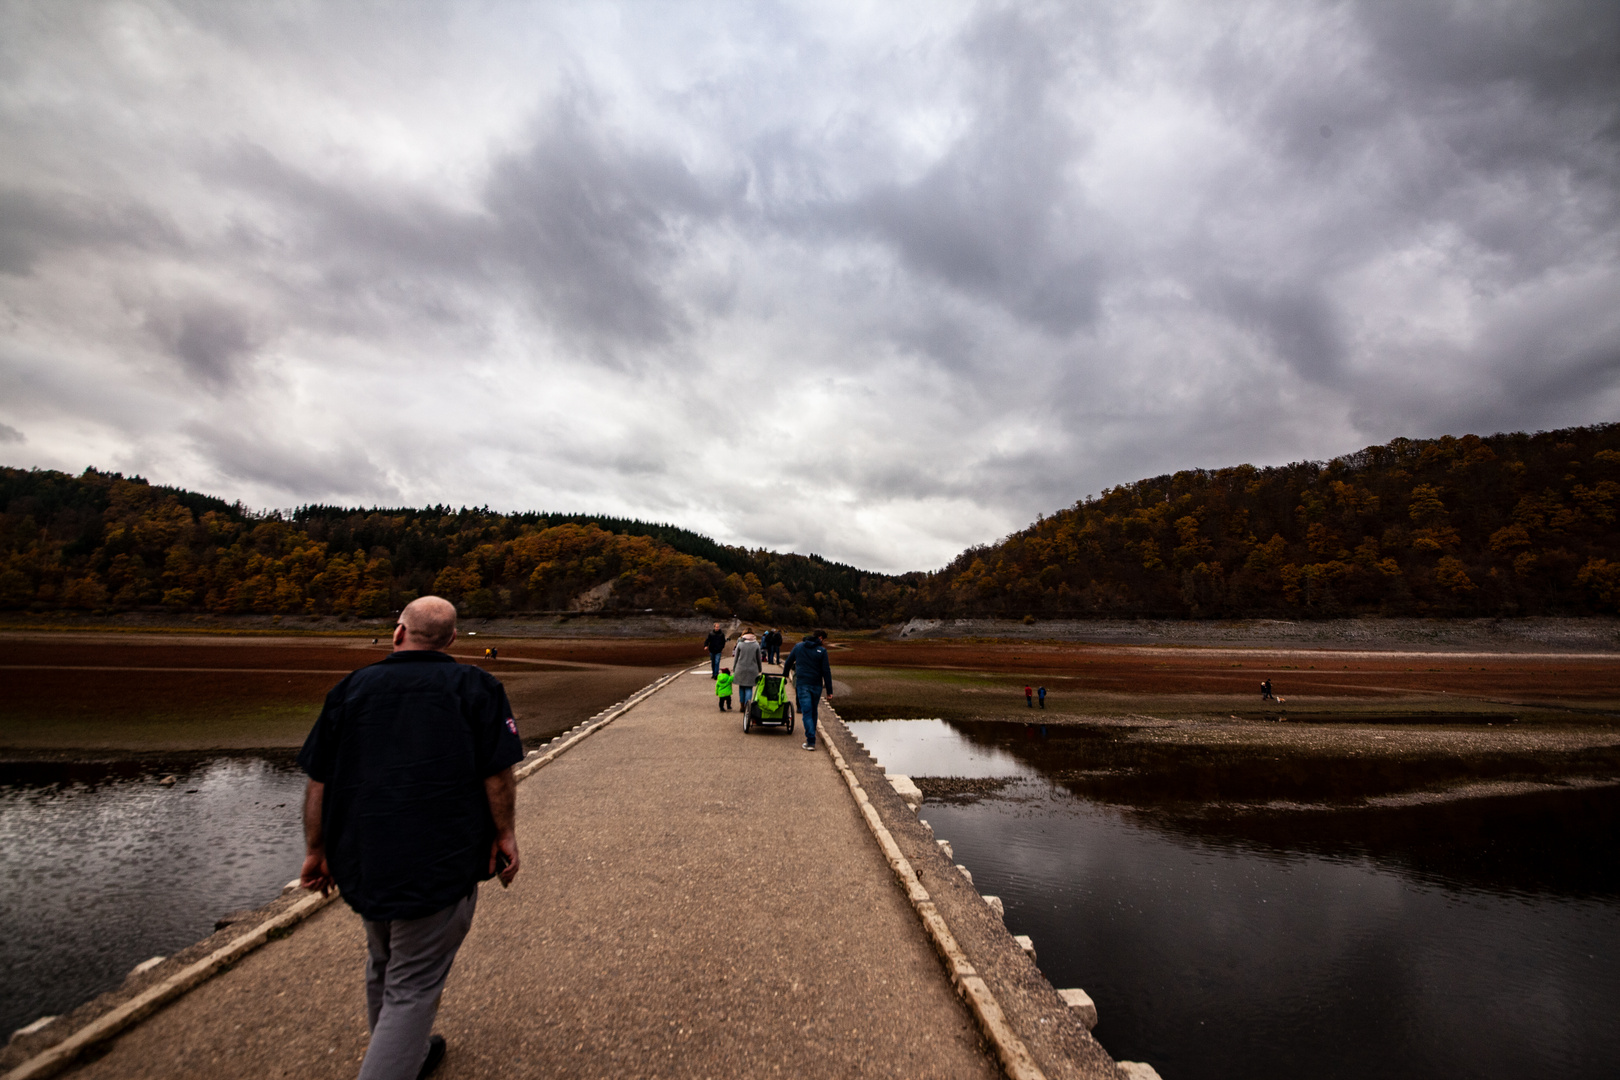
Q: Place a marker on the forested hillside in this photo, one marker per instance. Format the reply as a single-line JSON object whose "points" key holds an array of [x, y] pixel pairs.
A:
{"points": [[101, 542], [1507, 525]]}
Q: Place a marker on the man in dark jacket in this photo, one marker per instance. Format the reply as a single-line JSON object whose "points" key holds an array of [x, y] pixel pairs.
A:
{"points": [[410, 804], [772, 642], [807, 665], [716, 644]]}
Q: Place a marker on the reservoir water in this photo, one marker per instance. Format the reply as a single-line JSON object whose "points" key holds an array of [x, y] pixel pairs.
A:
{"points": [[1474, 938], [102, 867]]}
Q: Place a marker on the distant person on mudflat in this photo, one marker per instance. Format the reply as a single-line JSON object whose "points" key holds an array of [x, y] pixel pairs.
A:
{"points": [[1265, 691], [1040, 694], [410, 804], [807, 665], [722, 688], [715, 643], [1029, 697]]}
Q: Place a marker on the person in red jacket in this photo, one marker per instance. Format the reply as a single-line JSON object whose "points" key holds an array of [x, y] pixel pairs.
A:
{"points": [[1029, 697]]}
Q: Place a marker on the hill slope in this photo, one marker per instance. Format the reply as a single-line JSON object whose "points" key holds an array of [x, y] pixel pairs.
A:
{"points": [[101, 541], [1512, 524]]}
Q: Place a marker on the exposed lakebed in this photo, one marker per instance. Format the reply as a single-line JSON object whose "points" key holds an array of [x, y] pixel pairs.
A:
{"points": [[1244, 914], [101, 866]]}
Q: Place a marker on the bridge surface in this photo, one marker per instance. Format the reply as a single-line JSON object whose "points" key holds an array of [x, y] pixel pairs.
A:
{"points": [[694, 903]]}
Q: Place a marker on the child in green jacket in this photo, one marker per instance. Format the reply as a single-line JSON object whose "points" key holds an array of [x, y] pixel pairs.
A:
{"points": [[722, 688]]}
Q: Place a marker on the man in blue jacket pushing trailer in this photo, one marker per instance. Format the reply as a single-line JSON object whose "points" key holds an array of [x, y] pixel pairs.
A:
{"points": [[810, 671]]}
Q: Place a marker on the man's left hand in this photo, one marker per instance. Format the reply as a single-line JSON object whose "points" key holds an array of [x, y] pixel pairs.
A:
{"points": [[505, 844]]}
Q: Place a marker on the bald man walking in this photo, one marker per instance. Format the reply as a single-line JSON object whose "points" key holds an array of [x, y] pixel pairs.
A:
{"points": [[410, 804]]}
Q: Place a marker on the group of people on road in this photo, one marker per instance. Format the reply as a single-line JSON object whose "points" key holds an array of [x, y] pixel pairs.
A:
{"points": [[806, 665], [411, 804]]}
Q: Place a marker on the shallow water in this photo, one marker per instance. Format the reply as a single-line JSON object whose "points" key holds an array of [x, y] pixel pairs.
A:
{"points": [[101, 867], [1479, 938]]}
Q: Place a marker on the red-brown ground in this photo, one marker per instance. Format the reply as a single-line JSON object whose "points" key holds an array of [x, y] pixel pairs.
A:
{"points": [[171, 692], [1152, 670]]}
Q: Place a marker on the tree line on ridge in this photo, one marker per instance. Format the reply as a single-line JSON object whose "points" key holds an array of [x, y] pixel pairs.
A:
{"points": [[1505, 525]]}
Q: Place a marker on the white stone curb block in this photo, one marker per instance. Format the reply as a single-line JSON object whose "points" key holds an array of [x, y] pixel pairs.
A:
{"points": [[1083, 1006], [1138, 1070], [907, 790]]}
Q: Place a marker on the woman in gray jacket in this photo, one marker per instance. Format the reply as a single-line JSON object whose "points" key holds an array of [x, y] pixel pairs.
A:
{"points": [[745, 663]]}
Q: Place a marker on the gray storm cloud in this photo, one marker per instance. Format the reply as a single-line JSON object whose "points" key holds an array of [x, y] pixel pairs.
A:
{"points": [[877, 284]]}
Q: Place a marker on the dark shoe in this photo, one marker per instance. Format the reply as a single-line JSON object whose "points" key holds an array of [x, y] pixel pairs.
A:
{"points": [[808, 746], [435, 1056]]}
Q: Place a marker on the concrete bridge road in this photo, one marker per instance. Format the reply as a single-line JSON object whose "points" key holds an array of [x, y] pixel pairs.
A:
{"points": [[695, 902]]}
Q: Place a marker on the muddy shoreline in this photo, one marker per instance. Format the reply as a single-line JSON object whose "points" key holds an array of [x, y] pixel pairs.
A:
{"points": [[1541, 634], [96, 696]]}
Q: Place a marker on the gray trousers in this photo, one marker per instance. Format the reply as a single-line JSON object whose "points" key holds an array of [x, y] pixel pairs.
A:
{"points": [[410, 959]]}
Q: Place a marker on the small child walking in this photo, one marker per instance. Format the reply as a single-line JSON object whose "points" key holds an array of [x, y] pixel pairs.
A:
{"points": [[722, 688]]}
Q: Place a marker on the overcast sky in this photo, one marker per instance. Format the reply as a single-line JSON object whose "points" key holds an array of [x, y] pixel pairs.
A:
{"points": [[872, 280]]}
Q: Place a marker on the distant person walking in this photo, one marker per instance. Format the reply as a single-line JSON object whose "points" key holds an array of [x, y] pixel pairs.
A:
{"points": [[807, 665], [745, 666], [410, 804], [1265, 691], [1029, 697], [772, 642], [715, 643], [1040, 694]]}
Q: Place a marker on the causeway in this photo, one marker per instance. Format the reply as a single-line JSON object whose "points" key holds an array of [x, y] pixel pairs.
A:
{"points": [[694, 902]]}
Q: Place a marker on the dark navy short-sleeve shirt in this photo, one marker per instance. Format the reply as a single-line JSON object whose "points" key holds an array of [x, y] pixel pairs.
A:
{"points": [[403, 747]]}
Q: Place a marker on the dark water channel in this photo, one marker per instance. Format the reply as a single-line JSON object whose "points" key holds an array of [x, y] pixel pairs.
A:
{"points": [[1474, 938], [101, 867]]}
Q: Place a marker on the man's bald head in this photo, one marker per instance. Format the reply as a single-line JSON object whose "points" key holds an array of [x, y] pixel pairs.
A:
{"points": [[428, 622]]}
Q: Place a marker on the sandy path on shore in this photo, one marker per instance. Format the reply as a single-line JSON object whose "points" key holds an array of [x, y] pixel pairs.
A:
{"points": [[695, 902]]}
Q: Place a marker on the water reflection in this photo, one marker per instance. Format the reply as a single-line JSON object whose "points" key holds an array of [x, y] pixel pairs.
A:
{"points": [[940, 748], [1475, 938], [101, 867]]}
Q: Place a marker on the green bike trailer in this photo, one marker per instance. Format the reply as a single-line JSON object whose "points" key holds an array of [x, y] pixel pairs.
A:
{"points": [[772, 705]]}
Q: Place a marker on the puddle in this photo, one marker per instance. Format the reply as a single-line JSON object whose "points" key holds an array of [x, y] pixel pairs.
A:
{"points": [[1478, 938]]}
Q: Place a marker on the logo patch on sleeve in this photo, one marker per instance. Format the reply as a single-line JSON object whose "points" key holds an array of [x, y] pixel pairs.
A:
{"points": [[511, 725]]}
